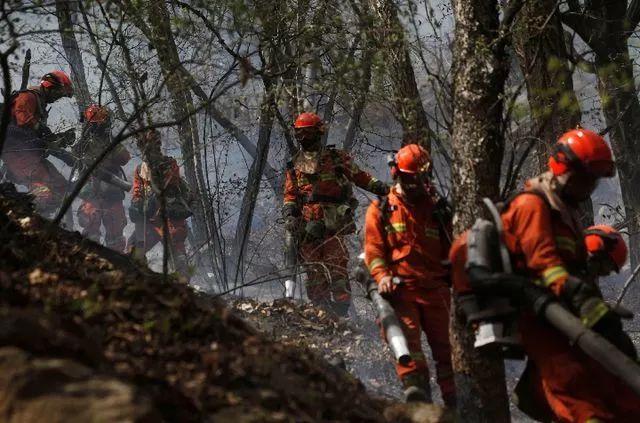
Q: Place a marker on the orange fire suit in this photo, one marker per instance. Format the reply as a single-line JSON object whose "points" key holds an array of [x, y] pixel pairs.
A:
{"points": [[545, 240], [24, 151], [318, 193], [102, 203], [148, 231], [408, 241]]}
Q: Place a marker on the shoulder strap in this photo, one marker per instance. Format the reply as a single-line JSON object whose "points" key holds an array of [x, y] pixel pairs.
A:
{"points": [[504, 206], [385, 213]]}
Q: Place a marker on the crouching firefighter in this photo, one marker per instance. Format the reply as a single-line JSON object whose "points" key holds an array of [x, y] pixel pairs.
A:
{"points": [[27, 139], [318, 210], [407, 239], [580, 367], [102, 202], [145, 211]]}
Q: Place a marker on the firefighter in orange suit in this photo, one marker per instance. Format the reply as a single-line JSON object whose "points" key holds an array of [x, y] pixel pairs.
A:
{"points": [[145, 211], [318, 209], [407, 237], [542, 231], [27, 137], [102, 203]]}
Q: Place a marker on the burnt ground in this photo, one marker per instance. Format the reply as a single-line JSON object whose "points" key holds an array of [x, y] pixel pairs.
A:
{"points": [[353, 344], [88, 334]]}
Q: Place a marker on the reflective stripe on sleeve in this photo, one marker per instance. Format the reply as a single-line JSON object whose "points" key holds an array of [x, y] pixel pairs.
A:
{"points": [[396, 227], [377, 262], [553, 274], [566, 243], [594, 314]]}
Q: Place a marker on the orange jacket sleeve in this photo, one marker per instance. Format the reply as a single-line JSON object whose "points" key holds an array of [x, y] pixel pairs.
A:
{"points": [[529, 220], [138, 186], [25, 111], [290, 190], [458, 259], [356, 175], [375, 250]]}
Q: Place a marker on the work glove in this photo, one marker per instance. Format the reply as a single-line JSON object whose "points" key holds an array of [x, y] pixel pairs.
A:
{"points": [[292, 218], [386, 285], [610, 328], [292, 224], [585, 301], [442, 210], [379, 188]]}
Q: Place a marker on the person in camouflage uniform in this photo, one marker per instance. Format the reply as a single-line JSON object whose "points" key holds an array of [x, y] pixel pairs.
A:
{"points": [[145, 204], [318, 209], [102, 203]]}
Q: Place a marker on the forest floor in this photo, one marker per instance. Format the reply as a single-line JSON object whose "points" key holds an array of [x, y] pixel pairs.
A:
{"points": [[89, 334]]}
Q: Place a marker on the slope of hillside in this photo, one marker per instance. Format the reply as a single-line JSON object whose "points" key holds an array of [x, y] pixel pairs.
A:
{"points": [[77, 317]]}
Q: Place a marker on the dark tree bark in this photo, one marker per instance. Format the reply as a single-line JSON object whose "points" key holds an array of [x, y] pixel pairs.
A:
{"points": [[65, 11], [182, 104], [409, 109], [542, 53], [102, 64], [247, 208], [605, 26], [541, 48], [480, 70]]}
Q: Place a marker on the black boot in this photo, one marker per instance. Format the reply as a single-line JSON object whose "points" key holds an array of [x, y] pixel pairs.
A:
{"points": [[340, 309], [416, 388]]}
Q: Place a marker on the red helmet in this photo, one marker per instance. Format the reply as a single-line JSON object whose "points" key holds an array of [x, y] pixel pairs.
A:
{"points": [[57, 80], [412, 159], [307, 120], [603, 239], [96, 114], [581, 149]]}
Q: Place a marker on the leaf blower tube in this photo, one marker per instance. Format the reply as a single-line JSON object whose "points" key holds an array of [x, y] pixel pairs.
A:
{"points": [[386, 315], [389, 321], [490, 272], [544, 305]]}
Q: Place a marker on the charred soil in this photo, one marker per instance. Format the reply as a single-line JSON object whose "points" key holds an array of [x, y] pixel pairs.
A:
{"points": [[88, 333]]}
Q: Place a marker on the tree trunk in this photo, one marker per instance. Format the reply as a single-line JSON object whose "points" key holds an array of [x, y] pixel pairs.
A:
{"points": [[605, 26], [243, 228], [480, 70], [622, 113], [540, 46], [406, 96], [65, 10], [102, 65], [182, 105]]}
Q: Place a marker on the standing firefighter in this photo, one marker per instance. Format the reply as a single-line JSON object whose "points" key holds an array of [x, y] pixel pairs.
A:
{"points": [[102, 203], [145, 209], [407, 237], [318, 209], [28, 136], [544, 237]]}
